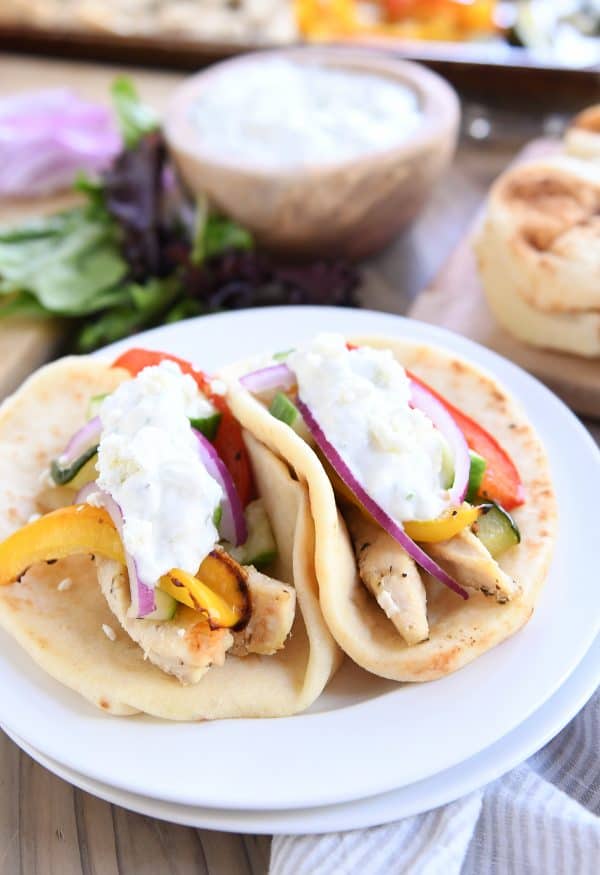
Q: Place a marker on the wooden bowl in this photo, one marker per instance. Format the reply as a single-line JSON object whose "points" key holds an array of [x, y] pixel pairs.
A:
{"points": [[352, 208]]}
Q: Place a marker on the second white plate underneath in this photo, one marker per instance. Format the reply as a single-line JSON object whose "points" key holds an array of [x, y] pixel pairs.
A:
{"points": [[385, 808]]}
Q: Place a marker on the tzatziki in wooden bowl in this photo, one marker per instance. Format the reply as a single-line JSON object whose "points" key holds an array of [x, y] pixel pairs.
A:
{"points": [[317, 151]]}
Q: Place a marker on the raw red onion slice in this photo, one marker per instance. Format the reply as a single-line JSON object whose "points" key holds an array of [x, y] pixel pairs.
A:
{"points": [[46, 137], [143, 601], [233, 522], [142, 596], [385, 521], [82, 440], [429, 405], [266, 379], [85, 492]]}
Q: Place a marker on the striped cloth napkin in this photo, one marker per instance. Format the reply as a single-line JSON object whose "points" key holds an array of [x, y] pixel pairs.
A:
{"points": [[543, 818]]}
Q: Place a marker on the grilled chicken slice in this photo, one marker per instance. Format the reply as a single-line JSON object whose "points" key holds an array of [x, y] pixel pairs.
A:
{"points": [[391, 575], [185, 646], [273, 607], [470, 563]]}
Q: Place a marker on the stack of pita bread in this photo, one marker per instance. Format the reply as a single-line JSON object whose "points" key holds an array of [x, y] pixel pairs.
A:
{"points": [[539, 247]]}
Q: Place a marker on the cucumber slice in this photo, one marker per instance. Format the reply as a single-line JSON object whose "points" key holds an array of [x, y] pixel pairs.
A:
{"points": [[496, 529], [207, 425], [260, 548], [94, 405], [281, 356], [218, 516], [64, 474], [476, 472], [165, 606], [447, 467], [87, 474], [284, 409]]}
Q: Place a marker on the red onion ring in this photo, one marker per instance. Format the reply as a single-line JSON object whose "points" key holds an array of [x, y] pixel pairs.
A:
{"points": [[273, 377], [233, 522], [81, 440], [143, 601], [385, 521], [424, 401], [85, 492]]}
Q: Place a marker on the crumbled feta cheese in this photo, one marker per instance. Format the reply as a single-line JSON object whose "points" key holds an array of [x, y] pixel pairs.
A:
{"points": [[181, 633], [148, 462], [95, 499], [65, 584], [109, 632], [34, 517], [360, 398]]}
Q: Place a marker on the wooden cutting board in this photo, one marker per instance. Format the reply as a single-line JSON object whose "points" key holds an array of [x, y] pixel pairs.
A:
{"points": [[24, 346], [455, 300]]}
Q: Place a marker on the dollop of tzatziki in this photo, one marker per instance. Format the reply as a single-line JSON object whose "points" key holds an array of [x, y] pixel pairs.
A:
{"points": [[360, 398], [148, 462], [282, 115]]}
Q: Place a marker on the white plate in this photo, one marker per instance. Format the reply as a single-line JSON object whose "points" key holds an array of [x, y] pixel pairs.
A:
{"points": [[363, 738], [424, 795]]}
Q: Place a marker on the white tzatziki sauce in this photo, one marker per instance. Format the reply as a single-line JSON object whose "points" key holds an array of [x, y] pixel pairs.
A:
{"points": [[277, 114], [360, 399], [148, 462]]}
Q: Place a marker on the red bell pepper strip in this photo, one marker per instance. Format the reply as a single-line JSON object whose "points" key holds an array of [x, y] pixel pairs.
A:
{"points": [[135, 360], [230, 445], [228, 441], [501, 481]]}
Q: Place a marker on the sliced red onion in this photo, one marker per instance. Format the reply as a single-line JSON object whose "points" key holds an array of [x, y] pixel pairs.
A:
{"points": [[266, 379], [143, 601], [429, 405], [233, 522], [81, 440], [85, 492], [385, 521], [46, 137]]}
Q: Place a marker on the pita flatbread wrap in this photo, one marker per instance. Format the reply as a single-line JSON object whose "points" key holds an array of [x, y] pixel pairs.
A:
{"points": [[582, 138], [459, 631], [70, 631]]}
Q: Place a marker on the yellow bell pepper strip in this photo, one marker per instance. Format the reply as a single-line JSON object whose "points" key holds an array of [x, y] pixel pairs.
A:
{"points": [[218, 590], [225, 576], [79, 528], [444, 527]]}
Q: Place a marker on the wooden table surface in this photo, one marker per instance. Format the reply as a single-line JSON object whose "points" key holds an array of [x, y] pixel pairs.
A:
{"points": [[47, 827]]}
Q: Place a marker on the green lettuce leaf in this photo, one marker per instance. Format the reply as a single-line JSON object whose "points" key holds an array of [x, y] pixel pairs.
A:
{"points": [[72, 270], [214, 234], [134, 117], [144, 305]]}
